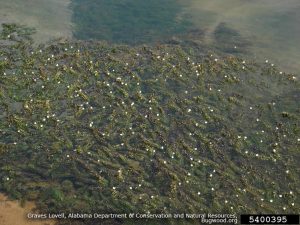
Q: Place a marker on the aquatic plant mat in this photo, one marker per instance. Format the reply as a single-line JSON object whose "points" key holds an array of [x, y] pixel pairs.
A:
{"points": [[90, 127]]}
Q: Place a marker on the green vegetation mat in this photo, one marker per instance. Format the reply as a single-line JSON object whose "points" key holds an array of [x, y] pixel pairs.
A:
{"points": [[92, 127]]}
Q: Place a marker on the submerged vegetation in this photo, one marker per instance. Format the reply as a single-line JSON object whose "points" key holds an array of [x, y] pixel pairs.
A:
{"points": [[91, 127]]}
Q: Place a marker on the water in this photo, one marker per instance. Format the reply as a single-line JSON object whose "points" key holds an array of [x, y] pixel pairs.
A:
{"points": [[268, 28], [91, 126], [272, 26], [52, 19]]}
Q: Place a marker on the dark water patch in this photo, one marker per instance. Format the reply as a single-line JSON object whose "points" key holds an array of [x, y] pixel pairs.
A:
{"points": [[127, 21], [229, 40]]}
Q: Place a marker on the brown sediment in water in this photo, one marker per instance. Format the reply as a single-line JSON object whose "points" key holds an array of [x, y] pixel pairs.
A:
{"points": [[12, 213]]}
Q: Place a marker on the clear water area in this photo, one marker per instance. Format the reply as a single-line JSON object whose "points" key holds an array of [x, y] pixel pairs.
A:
{"points": [[51, 18], [265, 29]]}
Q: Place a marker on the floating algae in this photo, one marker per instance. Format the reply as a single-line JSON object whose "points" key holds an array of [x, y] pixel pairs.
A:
{"points": [[91, 127]]}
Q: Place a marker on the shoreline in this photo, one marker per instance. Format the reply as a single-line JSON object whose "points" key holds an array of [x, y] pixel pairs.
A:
{"points": [[12, 213]]}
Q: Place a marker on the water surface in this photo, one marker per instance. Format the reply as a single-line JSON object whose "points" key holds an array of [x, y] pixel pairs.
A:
{"points": [[51, 18], [269, 29], [272, 26]]}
